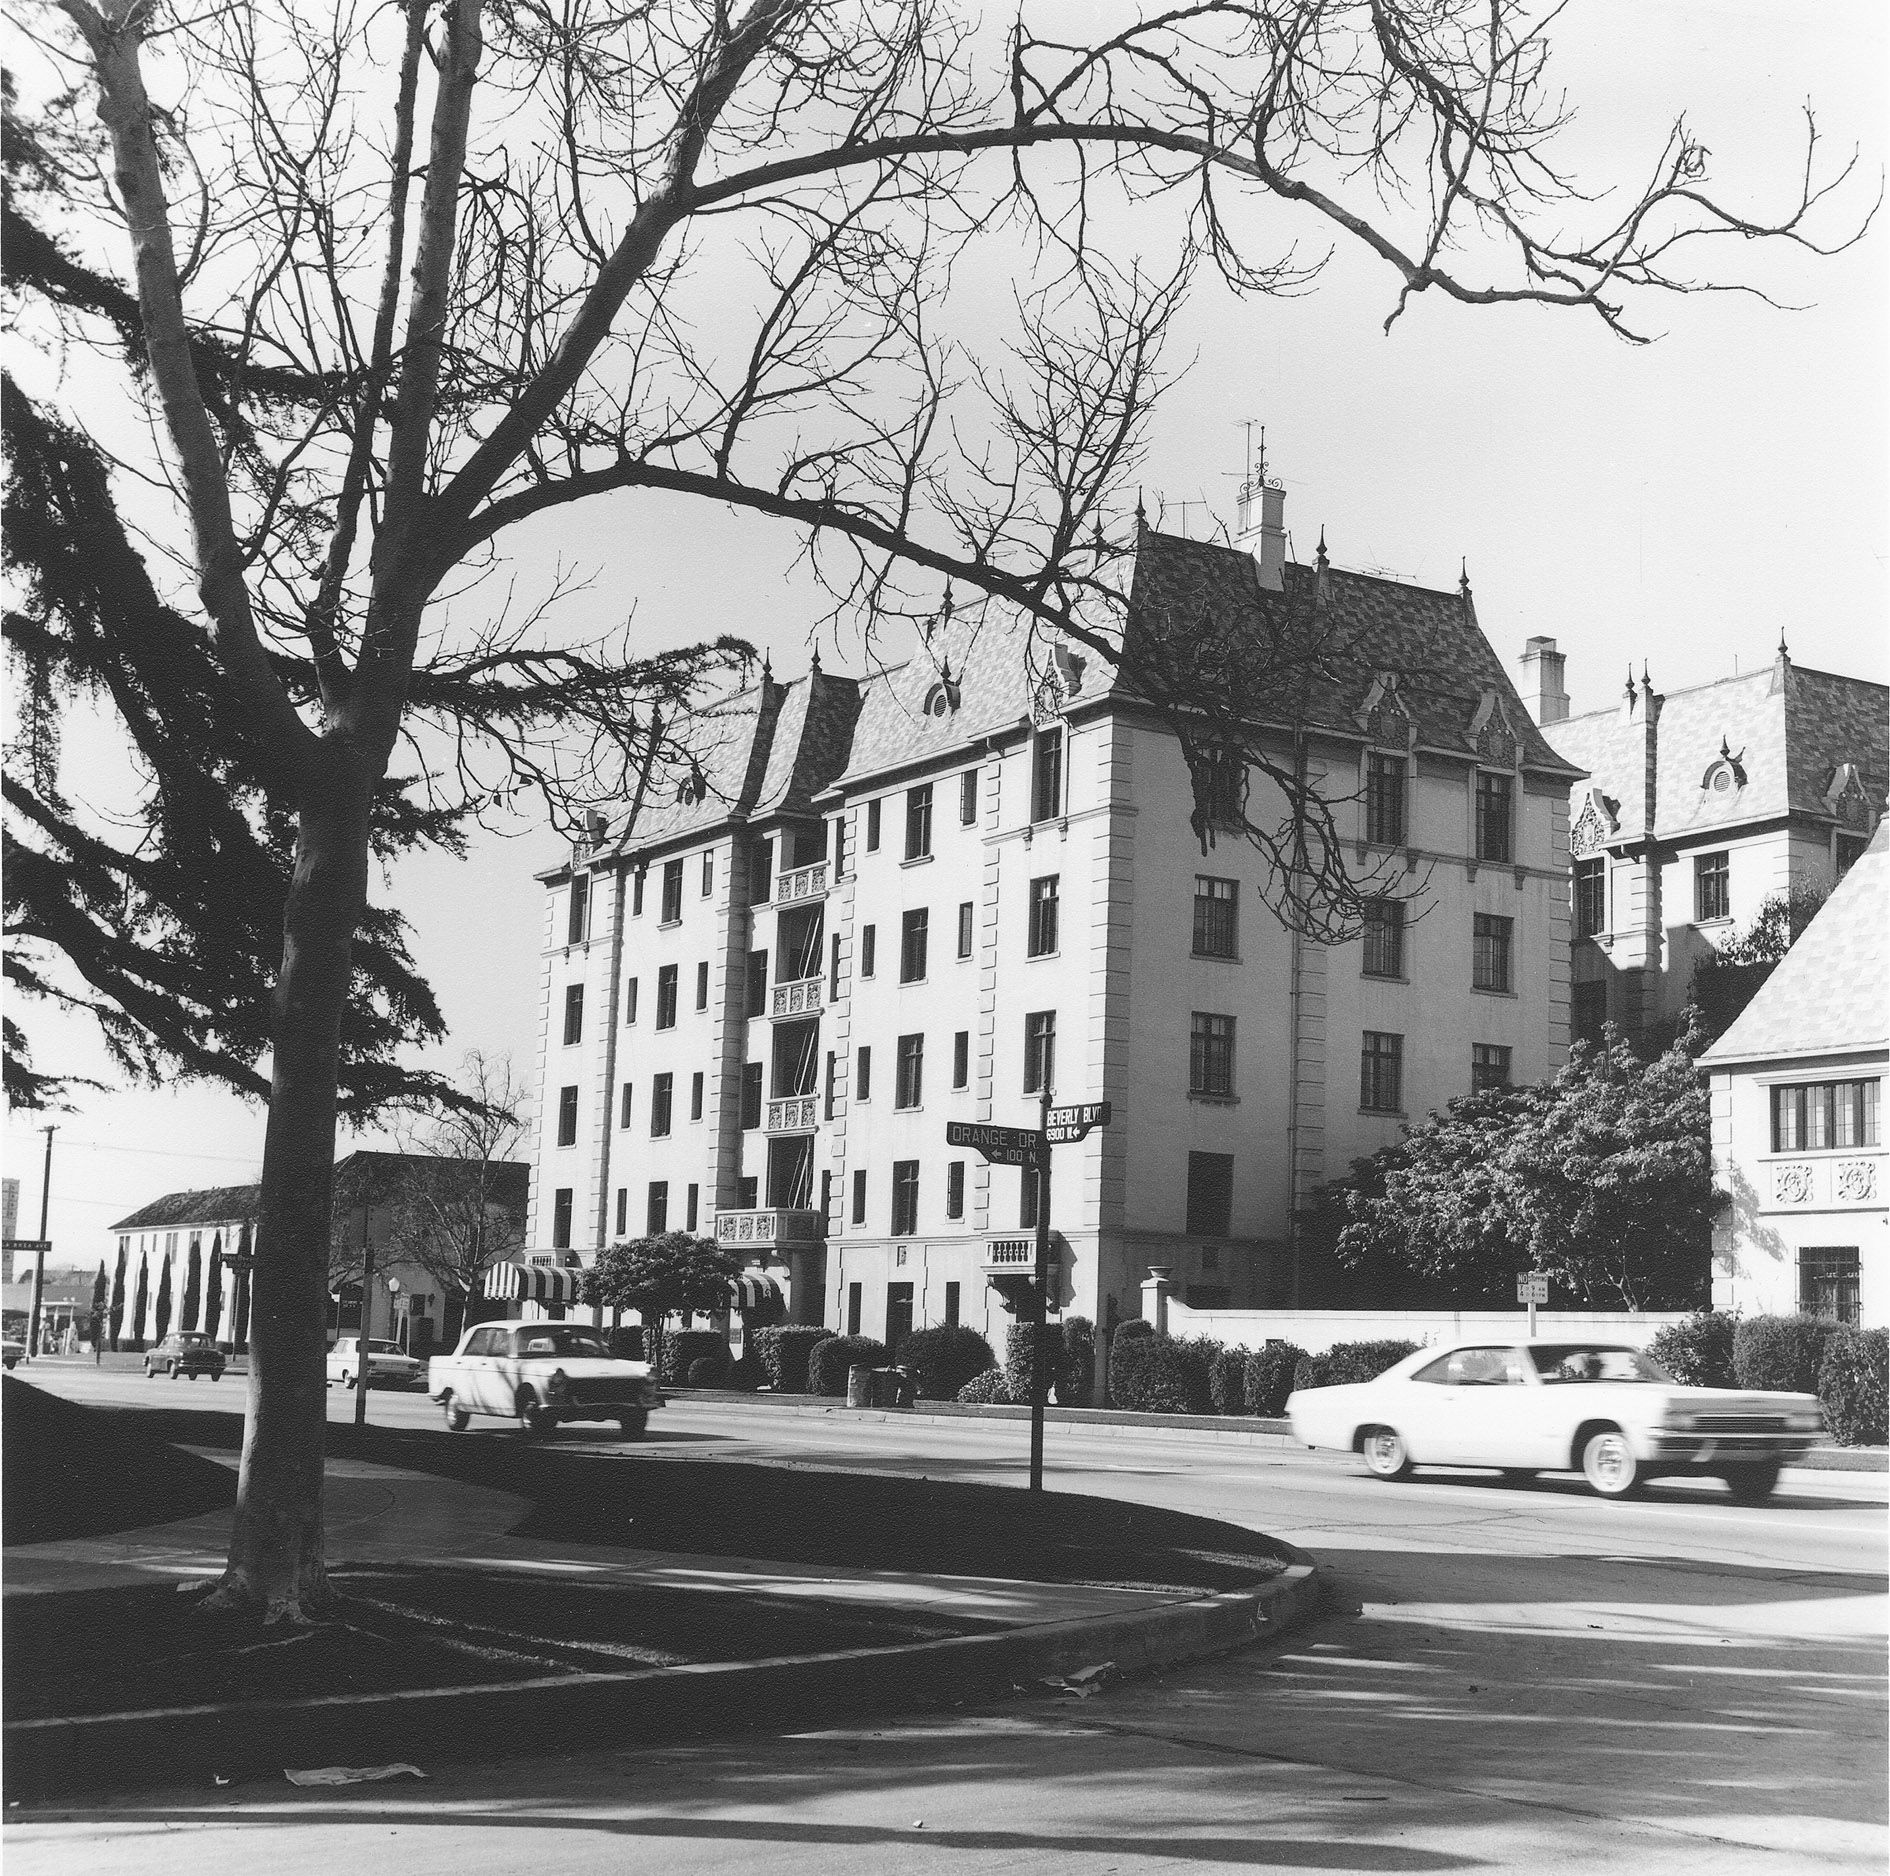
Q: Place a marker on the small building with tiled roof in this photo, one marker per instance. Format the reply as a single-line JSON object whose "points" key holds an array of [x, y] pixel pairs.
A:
{"points": [[877, 907], [1797, 1118], [1699, 805]]}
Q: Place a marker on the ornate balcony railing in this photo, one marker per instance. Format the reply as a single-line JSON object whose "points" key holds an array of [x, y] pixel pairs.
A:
{"points": [[801, 883], [1013, 1254], [800, 998], [770, 1226], [798, 1113]]}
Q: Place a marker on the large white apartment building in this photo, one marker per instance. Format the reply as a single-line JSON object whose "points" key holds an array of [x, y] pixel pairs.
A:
{"points": [[885, 904]]}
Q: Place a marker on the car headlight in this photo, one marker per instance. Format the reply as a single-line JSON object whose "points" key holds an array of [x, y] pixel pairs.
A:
{"points": [[1809, 1422]]}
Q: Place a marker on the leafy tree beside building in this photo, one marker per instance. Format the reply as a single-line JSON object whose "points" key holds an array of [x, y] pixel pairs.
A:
{"points": [[1726, 980], [662, 1276]]}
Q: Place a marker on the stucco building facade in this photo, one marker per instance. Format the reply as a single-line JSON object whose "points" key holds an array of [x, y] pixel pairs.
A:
{"points": [[878, 906]]}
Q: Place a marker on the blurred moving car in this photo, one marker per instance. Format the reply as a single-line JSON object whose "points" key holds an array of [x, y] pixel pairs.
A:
{"points": [[12, 1353], [541, 1373], [1605, 1410], [187, 1353], [385, 1366]]}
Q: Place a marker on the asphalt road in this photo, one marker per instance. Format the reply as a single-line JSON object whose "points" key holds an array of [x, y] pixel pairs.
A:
{"points": [[1524, 1678]]}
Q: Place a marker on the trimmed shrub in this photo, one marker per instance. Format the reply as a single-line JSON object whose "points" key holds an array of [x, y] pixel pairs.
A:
{"points": [[744, 1376], [1227, 1381], [986, 1390], [706, 1371], [1149, 1374], [1362, 1361], [783, 1352], [1306, 1374], [1854, 1385], [1269, 1377], [1134, 1329], [1698, 1351], [1781, 1354], [827, 1366], [683, 1348], [1076, 1378], [1197, 1354], [942, 1360]]}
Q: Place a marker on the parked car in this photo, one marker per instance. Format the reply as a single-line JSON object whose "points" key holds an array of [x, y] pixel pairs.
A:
{"points": [[386, 1365], [541, 1373], [1607, 1411], [12, 1353], [187, 1353]]}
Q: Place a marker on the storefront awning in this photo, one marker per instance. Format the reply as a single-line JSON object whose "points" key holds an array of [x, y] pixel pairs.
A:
{"points": [[754, 1289], [534, 1283]]}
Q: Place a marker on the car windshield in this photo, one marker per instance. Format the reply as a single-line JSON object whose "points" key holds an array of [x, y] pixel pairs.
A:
{"points": [[558, 1339], [1587, 1361], [193, 1341], [386, 1348]]}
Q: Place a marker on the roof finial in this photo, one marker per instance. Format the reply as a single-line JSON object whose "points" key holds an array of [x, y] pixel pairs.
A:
{"points": [[767, 667], [1647, 683], [813, 669], [1782, 652], [1141, 514], [1322, 544], [1630, 681], [1725, 750], [1463, 577]]}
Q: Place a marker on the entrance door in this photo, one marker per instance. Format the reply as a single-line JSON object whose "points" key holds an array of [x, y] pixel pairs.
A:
{"points": [[898, 1315]]}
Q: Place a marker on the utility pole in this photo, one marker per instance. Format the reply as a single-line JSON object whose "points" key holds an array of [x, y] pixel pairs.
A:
{"points": [[39, 1252], [1039, 1363], [362, 1348]]}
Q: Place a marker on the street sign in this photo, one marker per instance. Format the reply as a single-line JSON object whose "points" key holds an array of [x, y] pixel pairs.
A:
{"points": [[1001, 1146], [1532, 1289], [28, 1247], [1074, 1123]]}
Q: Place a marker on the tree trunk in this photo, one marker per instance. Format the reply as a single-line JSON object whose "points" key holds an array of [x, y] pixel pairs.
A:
{"points": [[275, 1565]]}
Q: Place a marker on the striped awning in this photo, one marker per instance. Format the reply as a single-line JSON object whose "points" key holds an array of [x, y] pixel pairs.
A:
{"points": [[754, 1289], [534, 1283]]}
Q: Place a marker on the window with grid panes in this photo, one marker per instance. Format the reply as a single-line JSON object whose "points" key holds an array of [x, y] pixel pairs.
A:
{"points": [[1046, 788], [1043, 915], [672, 891], [1384, 938], [656, 1217], [1494, 795], [579, 910], [666, 997], [567, 1116], [1210, 1054], [905, 1197], [1381, 1072], [1820, 1116], [1489, 964], [1712, 896], [1591, 897], [1489, 1066], [964, 929], [967, 797], [1216, 916], [913, 929], [1830, 1283], [1040, 1051], [919, 821], [573, 1013], [910, 1078], [1384, 799], [561, 1219], [662, 1092]]}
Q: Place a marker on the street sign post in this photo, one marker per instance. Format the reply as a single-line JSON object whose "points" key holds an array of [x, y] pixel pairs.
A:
{"points": [[1532, 1290]]}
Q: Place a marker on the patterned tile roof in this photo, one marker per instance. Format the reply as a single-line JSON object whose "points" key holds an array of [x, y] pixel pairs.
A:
{"points": [[227, 1205], [1829, 993], [213, 1205]]}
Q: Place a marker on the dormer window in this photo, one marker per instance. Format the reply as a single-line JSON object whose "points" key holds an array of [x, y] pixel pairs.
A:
{"points": [[1726, 774], [941, 700]]}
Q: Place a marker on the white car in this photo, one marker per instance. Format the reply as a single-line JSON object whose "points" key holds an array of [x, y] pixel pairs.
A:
{"points": [[541, 1374], [386, 1366], [1602, 1409]]}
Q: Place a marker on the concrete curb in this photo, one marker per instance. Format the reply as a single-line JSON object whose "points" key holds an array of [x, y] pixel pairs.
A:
{"points": [[119, 1751]]}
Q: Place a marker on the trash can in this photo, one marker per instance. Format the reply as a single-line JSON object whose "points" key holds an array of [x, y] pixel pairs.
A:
{"points": [[892, 1387], [859, 1387]]}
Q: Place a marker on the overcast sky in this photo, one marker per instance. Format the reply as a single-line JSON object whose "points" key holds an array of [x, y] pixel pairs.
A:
{"points": [[1683, 502]]}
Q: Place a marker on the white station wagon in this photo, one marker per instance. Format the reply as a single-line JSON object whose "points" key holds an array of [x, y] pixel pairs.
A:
{"points": [[1609, 1412]]}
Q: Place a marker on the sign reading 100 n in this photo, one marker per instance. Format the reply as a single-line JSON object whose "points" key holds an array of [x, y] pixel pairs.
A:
{"points": [[1001, 1146]]}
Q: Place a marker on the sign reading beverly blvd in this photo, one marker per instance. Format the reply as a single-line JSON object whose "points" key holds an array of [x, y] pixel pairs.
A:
{"points": [[1001, 1146], [1074, 1123]]}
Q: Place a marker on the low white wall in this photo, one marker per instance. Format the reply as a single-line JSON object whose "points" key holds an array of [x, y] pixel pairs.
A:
{"points": [[1315, 1330]]}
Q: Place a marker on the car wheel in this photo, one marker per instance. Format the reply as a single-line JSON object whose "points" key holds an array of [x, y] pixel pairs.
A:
{"points": [[634, 1424], [1386, 1455], [457, 1418], [533, 1420], [1609, 1465], [173, 1371], [1755, 1482]]}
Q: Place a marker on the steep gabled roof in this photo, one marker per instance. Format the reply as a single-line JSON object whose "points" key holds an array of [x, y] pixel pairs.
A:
{"points": [[1828, 994], [212, 1205]]}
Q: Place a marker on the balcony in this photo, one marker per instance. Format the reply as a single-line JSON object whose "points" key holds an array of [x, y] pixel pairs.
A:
{"points": [[783, 1229], [801, 884], [1014, 1256], [800, 998], [797, 1113]]}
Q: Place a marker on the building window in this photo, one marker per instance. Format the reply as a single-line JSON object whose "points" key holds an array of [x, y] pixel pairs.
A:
{"points": [[1828, 1282], [695, 1200], [863, 1076], [695, 1095], [1489, 1066], [913, 929], [967, 797], [623, 1105], [1384, 800], [573, 1014], [672, 891], [567, 1116], [909, 1079], [623, 1211], [872, 827], [1384, 937], [1029, 1196], [1210, 1054], [854, 1291], [1587, 1011], [952, 1292], [1489, 963], [666, 997], [905, 1197], [702, 986], [1040, 1051], [833, 970], [964, 929], [859, 1198], [755, 984], [561, 1219], [1381, 1073], [869, 948], [827, 1086], [708, 875], [1220, 789], [636, 894], [955, 1190], [580, 910], [751, 1094], [1813, 1117], [1046, 786], [657, 1216], [1043, 916], [961, 1059], [919, 821], [1216, 917], [662, 1090], [1210, 1196], [1493, 816], [1591, 897], [1711, 899]]}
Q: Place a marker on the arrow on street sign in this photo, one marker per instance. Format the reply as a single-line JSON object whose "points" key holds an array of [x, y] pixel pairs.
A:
{"points": [[1073, 1123], [1001, 1146]]}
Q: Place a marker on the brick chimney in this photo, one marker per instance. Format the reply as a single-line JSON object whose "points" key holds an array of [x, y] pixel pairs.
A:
{"points": [[1260, 527], [1542, 681]]}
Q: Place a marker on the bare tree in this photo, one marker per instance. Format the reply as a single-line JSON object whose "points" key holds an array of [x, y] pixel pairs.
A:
{"points": [[406, 281]]}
